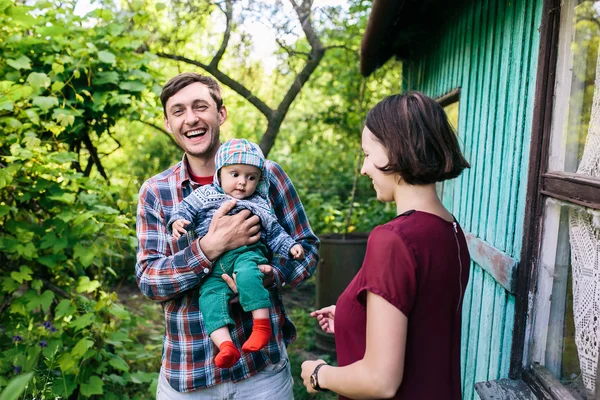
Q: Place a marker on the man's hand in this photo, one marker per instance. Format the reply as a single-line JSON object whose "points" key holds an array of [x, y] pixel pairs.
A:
{"points": [[268, 279], [297, 251], [228, 232], [178, 228]]}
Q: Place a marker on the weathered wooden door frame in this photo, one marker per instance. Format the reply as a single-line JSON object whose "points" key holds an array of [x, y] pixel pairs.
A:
{"points": [[540, 183]]}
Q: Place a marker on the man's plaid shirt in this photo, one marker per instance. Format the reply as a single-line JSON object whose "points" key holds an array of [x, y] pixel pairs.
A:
{"points": [[170, 271]]}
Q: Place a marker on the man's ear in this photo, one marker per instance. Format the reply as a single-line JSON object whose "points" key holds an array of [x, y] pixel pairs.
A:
{"points": [[167, 125], [222, 115]]}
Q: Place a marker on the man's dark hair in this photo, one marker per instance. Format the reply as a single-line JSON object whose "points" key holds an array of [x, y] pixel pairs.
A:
{"points": [[177, 83], [422, 145]]}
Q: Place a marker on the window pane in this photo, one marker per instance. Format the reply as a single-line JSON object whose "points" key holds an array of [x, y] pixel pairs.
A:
{"points": [[567, 303], [575, 143]]}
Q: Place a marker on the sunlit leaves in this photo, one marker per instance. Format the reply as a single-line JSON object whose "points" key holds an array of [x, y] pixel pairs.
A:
{"points": [[45, 103], [38, 80], [22, 62], [106, 57], [24, 274]]}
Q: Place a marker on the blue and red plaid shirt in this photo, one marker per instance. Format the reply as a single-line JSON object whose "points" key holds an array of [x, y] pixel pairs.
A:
{"points": [[170, 271]]}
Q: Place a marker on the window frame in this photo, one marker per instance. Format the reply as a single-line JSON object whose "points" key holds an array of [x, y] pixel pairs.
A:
{"points": [[543, 184]]}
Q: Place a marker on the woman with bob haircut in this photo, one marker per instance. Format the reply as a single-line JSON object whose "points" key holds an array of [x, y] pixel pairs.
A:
{"points": [[397, 325]]}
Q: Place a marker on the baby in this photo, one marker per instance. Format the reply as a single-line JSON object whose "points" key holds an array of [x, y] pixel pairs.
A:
{"points": [[241, 175]]}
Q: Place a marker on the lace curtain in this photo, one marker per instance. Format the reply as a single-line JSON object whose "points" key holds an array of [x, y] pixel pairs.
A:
{"points": [[584, 233]]}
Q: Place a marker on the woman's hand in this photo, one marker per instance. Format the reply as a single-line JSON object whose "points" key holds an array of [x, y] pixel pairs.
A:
{"points": [[325, 316], [308, 367]]}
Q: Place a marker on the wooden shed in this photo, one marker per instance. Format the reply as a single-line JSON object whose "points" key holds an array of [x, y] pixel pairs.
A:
{"points": [[520, 80]]}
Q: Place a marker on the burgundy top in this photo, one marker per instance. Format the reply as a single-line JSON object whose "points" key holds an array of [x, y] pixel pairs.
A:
{"points": [[413, 263]]}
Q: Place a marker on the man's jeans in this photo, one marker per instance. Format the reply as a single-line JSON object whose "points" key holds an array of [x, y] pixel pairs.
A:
{"points": [[273, 382]]}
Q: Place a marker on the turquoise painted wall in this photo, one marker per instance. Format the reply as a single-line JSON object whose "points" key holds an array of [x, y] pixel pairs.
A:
{"points": [[489, 49]]}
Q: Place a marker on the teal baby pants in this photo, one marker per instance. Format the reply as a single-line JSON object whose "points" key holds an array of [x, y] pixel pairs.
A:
{"points": [[215, 294]]}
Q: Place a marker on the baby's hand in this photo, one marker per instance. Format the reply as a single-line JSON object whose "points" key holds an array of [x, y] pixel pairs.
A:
{"points": [[297, 251], [178, 227]]}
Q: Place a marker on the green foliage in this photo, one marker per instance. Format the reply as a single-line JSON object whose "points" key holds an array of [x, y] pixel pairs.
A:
{"points": [[64, 229]]}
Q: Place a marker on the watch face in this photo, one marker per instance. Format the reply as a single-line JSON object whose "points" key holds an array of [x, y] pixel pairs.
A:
{"points": [[312, 382]]}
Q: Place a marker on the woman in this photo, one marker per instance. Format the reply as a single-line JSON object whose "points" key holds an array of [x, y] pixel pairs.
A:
{"points": [[397, 325]]}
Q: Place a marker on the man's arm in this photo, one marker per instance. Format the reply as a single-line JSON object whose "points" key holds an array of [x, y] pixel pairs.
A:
{"points": [[161, 275], [293, 219]]}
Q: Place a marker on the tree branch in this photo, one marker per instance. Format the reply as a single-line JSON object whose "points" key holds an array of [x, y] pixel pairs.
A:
{"points": [[226, 80], [290, 51], [340, 46], [228, 15], [158, 128], [316, 54], [94, 155]]}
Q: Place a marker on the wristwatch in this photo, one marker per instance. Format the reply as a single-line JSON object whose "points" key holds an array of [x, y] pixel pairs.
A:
{"points": [[314, 378]]}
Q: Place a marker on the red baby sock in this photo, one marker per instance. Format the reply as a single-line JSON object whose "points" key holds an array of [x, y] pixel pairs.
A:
{"points": [[228, 355], [261, 333]]}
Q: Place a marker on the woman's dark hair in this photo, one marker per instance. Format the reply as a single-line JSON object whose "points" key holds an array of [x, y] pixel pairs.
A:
{"points": [[180, 81], [422, 145]]}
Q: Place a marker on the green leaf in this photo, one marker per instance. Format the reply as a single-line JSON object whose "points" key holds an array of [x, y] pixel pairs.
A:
{"points": [[81, 347], [32, 115], [106, 77], [57, 86], [118, 363], [132, 86], [85, 255], [106, 57], [38, 80], [64, 387], [85, 285], [65, 120], [93, 387], [15, 387], [45, 102], [83, 321], [141, 377], [160, 6], [67, 198], [52, 260], [9, 285], [6, 103], [46, 300], [64, 309], [24, 274], [66, 362], [20, 63]]}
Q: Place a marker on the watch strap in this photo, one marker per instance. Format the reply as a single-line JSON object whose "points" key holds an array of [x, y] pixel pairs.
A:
{"points": [[315, 376]]}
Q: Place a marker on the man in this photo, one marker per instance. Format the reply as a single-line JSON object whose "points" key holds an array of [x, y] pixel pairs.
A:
{"points": [[171, 271]]}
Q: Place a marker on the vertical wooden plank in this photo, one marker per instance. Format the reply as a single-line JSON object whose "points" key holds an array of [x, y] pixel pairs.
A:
{"points": [[533, 66], [465, 111], [483, 93], [500, 296], [466, 323], [493, 68], [473, 354], [524, 106], [471, 132], [504, 34], [509, 321], [485, 329], [510, 134], [461, 80]]}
